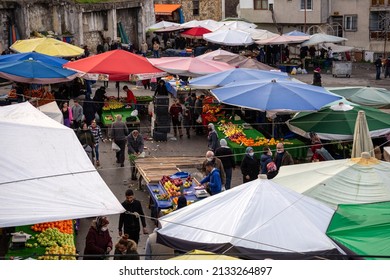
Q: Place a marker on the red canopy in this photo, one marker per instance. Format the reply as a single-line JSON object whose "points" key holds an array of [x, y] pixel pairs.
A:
{"points": [[117, 64], [195, 32]]}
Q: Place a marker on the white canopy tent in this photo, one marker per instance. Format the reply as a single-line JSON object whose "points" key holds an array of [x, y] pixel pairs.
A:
{"points": [[346, 181], [51, 110], [45, 173], [256, 220]]}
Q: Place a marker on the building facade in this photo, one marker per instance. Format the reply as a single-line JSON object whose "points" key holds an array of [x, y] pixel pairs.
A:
{"points": [[83, 24], [365, 23]]}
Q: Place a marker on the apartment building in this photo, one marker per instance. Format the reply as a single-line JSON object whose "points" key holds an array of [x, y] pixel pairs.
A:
{"points": [[365, 23]]}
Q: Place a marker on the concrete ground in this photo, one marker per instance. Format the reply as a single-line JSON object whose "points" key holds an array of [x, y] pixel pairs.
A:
{"points": [[118, 179]]}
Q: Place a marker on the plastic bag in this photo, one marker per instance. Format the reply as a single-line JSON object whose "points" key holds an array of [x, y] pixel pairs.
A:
{"points": [[134, 113], [199, 119], [115, 147]]}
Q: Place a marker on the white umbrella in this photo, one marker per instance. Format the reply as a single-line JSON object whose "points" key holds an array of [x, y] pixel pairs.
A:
{"points": [[211, 55], [229, 38], [208, 24], [320, 38], [254, 220], [161, 24], [282, 39], [361, 137], [238, 24], [260, 34], [337, 48], [345, 181]]}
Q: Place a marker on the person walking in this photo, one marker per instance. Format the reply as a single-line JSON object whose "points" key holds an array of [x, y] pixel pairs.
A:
{"points": [[67, 114], [176, 112], [212, 180], [197, 113], [317, 77], [97, 134], [282, 157], [378, 67], [387, 67], [212, 138], [87, 140], [126, 249], [89, 109], [98, 242], [99, 98], [250, 166], [187, 120], [135, 147], [130, 220], [144, 48], [225, 154], [118, 133], [77, 114]]}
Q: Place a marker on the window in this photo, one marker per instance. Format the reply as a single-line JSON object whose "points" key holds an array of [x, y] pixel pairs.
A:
{"points": [[261, 4], [350, 22], [195, 7], [309, 4]]}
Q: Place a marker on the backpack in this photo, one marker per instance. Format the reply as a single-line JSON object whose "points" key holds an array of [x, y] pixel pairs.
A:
{"points": [[271, 167]]}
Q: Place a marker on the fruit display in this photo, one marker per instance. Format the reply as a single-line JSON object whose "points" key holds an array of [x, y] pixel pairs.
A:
{"points": [[163, 196], [109, 118], [112, 104], [56, 252], [63, 226]]}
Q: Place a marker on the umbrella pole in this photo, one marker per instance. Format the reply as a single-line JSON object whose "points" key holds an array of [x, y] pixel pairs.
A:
{"points": [[118, 90]]}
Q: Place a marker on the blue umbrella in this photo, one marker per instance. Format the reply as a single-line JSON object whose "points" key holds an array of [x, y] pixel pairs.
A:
{"points": [[275, 95], [296, 33], [35, 72], [51, 60], [238, 74]]}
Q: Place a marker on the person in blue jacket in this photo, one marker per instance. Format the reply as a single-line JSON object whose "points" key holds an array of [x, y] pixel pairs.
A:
{"points": [[213, 180]]}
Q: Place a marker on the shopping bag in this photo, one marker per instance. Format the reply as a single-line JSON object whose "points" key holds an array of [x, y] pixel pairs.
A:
{"points": [[115, 147], [199, 119]]}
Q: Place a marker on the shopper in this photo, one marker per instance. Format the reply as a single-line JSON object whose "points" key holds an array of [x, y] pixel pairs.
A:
{"points": [[118, 134], [130, 220], [98, 242], [212, 138], [378, 67], [282, 157], [66, 114], [176, 112], [135, 147], [250, 166], [97, 134], [87, 140], [217, 163], [187, 120], [126, 249], [77, 114], [225, 154], [317, 77]]}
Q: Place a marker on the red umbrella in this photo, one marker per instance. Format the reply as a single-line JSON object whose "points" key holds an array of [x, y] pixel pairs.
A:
{"points": [[195, 33], [118, 65]]}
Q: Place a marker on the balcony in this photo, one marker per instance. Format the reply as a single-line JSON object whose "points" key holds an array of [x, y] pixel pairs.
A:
{"points": [[379, 36]]}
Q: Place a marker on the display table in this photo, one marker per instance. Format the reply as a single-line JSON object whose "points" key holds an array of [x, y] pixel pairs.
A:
{"points": [[108, 117], [295, 147]]}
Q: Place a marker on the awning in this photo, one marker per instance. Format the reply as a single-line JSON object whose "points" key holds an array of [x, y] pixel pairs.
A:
{"points": [[165, 9]]}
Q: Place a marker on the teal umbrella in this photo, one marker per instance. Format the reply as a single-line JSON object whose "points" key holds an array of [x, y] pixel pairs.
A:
{"points": [[363, 229], [338, 122], [367, 96]]}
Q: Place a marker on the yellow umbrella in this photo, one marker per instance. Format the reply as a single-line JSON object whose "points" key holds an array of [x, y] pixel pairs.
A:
{"points": [[48, 46], [361, 138], [202, 255]]}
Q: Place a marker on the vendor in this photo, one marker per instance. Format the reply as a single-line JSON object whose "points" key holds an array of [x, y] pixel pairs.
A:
{"points": [[130, 98]]}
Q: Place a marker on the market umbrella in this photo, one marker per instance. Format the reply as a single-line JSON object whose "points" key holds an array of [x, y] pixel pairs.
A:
{"points": [[361, 136], [161, 24], [47, 59], [260, 34], [35, 72], [237, 74], [320, 38], [282, 40], [278, 95], [346, 181], [362, 229], [296, 33], [211, 55], [189, 66], [332, 123], [208, 24], [241, 61], [47, 177], [229, 38], [256, 229], [48, 46], [202, 255], [117, 65], [195, 33], [238, 24], [367, 96]]}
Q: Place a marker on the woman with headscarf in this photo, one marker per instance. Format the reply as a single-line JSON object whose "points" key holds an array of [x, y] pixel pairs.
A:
{"points": [[250, 166], [212, 138], [98, 241]]}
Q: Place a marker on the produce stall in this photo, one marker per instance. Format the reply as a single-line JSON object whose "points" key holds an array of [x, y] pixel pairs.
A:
{"points": [[54, 238], [240, 135], [112, 108]]}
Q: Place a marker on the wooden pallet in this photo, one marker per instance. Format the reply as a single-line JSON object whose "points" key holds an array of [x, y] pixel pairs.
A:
{"points": [[152, 169]]}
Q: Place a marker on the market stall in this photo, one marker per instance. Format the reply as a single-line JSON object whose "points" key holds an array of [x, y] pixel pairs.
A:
{"points": [[112, 108], [55, 239], [240, 135]]}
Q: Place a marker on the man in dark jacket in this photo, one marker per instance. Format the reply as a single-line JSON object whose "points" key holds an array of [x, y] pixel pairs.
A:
{"points": [[135, 147], [378, 67], [130, 220], [118, 134], [282, 157], [225, 154]]}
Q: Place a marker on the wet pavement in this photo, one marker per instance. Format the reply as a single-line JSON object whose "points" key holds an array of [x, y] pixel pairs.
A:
{"points": [[119, 178]]}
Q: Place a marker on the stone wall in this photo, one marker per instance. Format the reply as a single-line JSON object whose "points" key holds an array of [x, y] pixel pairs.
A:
{"points": [[231, 8], [208, 9]]}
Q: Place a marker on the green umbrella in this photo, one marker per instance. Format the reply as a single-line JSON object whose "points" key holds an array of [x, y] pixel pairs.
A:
{"points": [[338, 122], [363, 229], [367, 96]]}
